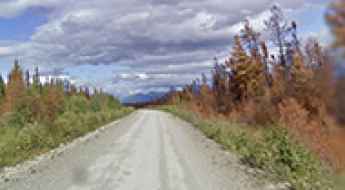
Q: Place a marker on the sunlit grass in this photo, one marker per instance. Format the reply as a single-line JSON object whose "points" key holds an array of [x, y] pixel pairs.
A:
{"points": [[270, 149], [19, 144]]}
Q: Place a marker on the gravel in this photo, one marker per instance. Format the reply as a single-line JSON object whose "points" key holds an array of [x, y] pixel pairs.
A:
{"points": [[148, 150]]}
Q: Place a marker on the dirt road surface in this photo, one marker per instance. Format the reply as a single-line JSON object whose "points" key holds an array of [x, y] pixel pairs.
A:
{"points": [[148, 150]]}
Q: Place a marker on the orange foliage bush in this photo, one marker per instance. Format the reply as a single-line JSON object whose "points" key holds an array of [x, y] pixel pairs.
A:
{"points": [[325, 140], [293, 114], [297, 90]]}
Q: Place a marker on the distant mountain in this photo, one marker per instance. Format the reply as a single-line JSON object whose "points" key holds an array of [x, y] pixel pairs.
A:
{"points": [[142, 98]]}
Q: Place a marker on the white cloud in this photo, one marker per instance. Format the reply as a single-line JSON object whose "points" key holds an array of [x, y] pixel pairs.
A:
{"points": [[5, 51], [11, 8], [163, 42]]}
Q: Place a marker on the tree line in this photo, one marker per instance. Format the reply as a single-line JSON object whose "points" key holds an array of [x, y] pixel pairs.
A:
{"points": [[37, 116], [33, 100], [278, 81]]}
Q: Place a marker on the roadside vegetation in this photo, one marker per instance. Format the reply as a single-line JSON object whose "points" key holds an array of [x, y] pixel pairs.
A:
{"points": [[37, 117], [268, 149], [277, 101]]}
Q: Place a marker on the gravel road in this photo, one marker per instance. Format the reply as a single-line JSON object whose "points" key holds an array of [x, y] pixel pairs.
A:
{"points": [[148, 150]]}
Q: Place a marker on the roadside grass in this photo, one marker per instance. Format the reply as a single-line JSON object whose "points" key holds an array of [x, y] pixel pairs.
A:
{"points": [[340, 181], [270, 149], [19, 143]]}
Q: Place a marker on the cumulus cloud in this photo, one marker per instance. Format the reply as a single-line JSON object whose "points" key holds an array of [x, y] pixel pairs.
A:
{"points": [[12, 8], [5, 51], [162, 42]]}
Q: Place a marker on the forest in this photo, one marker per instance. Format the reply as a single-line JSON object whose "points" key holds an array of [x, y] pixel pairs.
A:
{"points": [[36, 117], [274, 89], [277, 100]]}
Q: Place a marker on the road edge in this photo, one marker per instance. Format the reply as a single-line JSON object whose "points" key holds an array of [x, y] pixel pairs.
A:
{"points": [[27, 166]]}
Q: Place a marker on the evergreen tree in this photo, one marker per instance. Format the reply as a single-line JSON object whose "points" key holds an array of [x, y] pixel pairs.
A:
{"points": [[85, 91], [204, 79], [300, 75], [247, 73], [36, 78], [53, 100], [219, 79], [295, 40], [2, 87], [27, 78], [251, 39], [238, 65], [314, 53], [67, 86], [15, 89], [266, 62]]}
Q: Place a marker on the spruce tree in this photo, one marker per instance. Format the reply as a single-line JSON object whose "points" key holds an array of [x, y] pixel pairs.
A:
{"points": [[36, 78], [2, 87], [15, 88], [27, 78]]}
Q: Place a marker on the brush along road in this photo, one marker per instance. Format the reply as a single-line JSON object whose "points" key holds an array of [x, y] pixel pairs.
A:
{"points": [[148, 150]]}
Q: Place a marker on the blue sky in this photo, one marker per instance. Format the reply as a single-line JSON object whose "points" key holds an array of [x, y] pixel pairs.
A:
{"points": [[131, 46], [20, 28]]}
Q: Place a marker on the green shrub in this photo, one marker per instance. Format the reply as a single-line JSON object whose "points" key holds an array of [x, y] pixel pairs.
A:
{"points": [[288, 160], [20, 140], [77, 104], [12, 119], [273, 151], [38, 117]]}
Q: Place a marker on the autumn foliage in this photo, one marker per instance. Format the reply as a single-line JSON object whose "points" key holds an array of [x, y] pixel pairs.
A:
{"points": [[36, 117], [278, 81], [36, 101]]}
